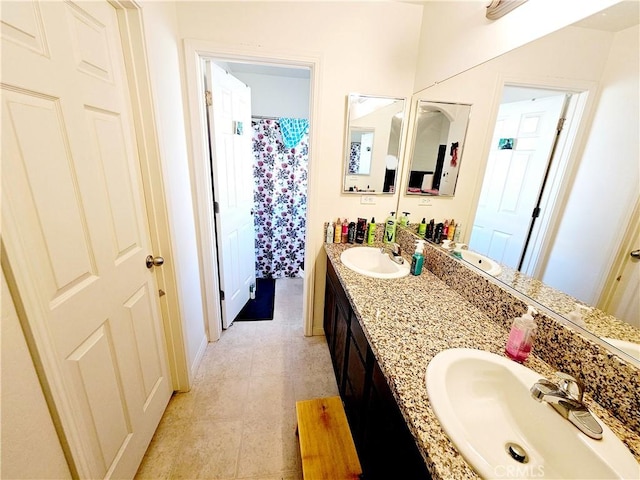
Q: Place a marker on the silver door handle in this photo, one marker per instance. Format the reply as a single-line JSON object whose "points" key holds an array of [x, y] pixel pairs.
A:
{"points": [[635, 253], [154, 261]]}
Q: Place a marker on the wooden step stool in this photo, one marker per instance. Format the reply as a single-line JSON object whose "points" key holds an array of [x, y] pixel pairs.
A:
{"points": [[326, 445]]}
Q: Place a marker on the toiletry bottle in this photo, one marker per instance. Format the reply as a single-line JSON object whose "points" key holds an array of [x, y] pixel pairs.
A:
{"points": [[445, 230], [422, 228], [329, 235], [452, 230], [458, 234], [361, 230], [390, 228], [418, 258], [371, 232], [345, 231], [351, 232], [521, 336], [337, 232], [404, 219], [437, 235], [430, 230]]}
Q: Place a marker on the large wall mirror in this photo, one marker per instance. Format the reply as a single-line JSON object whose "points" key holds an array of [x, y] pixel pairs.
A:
{"points": [[588, 227], [439, 130], [372, 143]]}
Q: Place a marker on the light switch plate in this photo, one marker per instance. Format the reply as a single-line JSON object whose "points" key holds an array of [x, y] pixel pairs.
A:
{"points": [[424, 202], [368, 200]]}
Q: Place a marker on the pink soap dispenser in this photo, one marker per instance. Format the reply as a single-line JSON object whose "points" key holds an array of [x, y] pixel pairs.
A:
{"points": [[521, 336]]}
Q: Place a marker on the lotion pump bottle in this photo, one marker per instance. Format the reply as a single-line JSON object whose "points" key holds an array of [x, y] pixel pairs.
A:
{"points": [[521, 336], [418, 258], [390, 228]]}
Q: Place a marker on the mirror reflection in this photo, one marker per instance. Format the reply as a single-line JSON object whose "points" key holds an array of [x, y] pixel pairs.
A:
{"points": [[587, 215], [438, 140], [372, 143]]}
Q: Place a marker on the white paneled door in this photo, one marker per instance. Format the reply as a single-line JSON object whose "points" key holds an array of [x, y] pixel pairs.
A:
{"points": [[75, 229], [514, 176], [232, 166]]}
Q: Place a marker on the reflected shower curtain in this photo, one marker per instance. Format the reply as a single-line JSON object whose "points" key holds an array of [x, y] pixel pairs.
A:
{"points": [[280, 201]]}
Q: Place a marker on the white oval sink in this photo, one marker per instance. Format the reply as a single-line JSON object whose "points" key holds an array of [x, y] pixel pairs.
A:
{"points": [[482, 401], [483, 263], [371, 262]]}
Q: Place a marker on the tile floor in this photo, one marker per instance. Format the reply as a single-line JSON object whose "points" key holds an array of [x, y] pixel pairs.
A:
{"points": [[239, 419]]}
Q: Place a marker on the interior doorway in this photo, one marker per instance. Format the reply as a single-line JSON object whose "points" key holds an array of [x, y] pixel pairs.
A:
{"points": [[278, 130], [523, 160]]}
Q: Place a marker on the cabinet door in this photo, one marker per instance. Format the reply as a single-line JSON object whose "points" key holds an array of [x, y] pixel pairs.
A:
{"points": [[340, 345], [329, 314], [355, 390], [386, 436]]}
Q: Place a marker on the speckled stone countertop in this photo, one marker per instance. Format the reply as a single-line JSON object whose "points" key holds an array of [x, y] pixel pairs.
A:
{"points": [[407, 322]]}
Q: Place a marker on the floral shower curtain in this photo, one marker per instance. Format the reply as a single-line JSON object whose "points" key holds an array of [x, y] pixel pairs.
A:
{"points": [[280, 200]]}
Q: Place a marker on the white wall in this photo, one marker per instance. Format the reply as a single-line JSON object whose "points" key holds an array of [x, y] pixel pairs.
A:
{"points": [[277, 96], [456, 35], [30, 447], [579, 56], [164, 67], [607, 183], [369, 48]]}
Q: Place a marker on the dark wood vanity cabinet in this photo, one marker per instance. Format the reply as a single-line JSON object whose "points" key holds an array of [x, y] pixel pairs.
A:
{"points": [[385, 445]]}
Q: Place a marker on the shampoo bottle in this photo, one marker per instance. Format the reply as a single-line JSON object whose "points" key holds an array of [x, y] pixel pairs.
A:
{"points": [[422, 228], [457, 235], [345, 231], [418, 258], [452, 230], [329, 235], [404, 219], [351, 232], [361, 230], [521, 336], [390, 228], [337, 233], [371, 232]]}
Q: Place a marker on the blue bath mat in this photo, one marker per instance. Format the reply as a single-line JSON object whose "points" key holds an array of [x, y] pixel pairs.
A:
{"points": [[261, 307]]}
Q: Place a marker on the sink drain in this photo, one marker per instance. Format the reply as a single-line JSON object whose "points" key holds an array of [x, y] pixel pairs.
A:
{"points": [[516, 452]]}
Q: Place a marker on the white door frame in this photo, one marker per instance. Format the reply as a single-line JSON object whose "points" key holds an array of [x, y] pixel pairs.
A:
{"points": [[195, 52], [130, 24], [564, 168]]}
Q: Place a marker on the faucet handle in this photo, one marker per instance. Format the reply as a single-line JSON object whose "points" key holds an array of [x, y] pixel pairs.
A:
{"points": [[570, 385]]}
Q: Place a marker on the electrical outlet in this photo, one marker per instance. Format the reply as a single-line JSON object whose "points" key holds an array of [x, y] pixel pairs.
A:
{"points": [[368, 200], [424, 202]]}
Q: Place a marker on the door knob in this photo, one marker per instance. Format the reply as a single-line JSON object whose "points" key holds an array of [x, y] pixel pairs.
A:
{"points": [[154, 261], [635, 254]]}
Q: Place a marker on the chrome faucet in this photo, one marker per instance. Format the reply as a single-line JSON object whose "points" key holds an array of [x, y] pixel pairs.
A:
{"points": [[566, 398], [394, 251]]}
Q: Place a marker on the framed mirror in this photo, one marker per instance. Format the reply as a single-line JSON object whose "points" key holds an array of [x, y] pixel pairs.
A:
{"points": [[439, 131], [372, 143], [576, 263]]}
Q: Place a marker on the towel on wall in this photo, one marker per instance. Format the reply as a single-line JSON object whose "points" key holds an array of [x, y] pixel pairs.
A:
{"points": [[293, 129]]}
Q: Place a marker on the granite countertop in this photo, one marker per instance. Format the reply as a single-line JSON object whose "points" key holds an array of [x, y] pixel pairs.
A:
{"points": [[407, 322]]}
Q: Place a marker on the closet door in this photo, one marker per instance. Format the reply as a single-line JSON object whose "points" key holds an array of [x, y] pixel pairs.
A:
{"points": [[75, 230]]}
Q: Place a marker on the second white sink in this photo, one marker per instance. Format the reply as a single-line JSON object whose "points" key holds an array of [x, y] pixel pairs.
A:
{"points": [[484, 405], [372, 262], [483, 263]]}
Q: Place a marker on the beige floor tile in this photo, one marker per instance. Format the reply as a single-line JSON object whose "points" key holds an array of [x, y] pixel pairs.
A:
{"points": [[209, 450], [306, 387], [222, 398], [270, 396], [157, 463], [269, 446]]}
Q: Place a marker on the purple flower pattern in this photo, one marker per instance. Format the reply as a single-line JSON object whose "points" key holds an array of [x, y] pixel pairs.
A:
{"points": [[280, 201]]}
